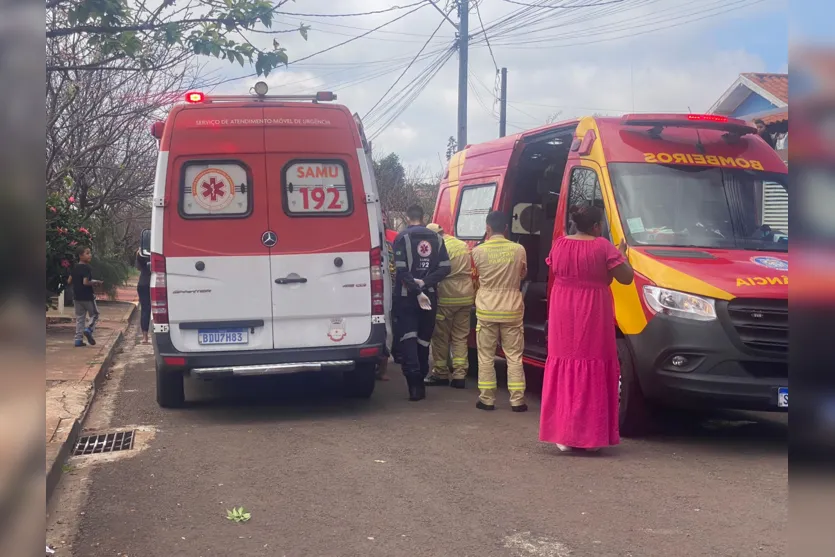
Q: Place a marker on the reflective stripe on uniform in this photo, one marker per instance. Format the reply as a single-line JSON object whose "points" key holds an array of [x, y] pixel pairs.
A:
{"points": [[445, 264], [487, 315], [465, 301], [459, 360], [409, 259], [401, 265], [439, 317], [515, 386], [423, 342], [413, 334], [487, 385]]}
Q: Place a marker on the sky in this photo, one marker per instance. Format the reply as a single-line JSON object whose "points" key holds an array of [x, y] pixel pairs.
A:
{"points": [[569, 58]]}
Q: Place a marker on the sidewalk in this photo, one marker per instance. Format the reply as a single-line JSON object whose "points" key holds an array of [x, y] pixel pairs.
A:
{"points": [[73, 374]]}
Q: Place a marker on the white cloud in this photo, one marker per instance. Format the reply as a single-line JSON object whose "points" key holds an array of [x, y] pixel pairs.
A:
{"points": [[669, 70]]}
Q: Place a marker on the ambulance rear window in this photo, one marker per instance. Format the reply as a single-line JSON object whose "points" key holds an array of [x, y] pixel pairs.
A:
{"points": [[316, 188], [215, 189]]}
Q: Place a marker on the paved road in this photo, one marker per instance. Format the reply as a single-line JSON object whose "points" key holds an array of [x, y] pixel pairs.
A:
{"points": [[326, 477]]}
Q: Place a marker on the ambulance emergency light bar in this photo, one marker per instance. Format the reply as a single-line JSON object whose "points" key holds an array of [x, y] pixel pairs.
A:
{"points": [[260, 89], [717, 122]]}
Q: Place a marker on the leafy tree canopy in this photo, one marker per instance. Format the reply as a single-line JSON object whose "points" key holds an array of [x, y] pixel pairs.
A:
{"points": [[119, 30]]}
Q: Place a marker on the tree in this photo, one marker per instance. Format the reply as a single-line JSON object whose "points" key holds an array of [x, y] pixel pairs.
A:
{"points": [[64, 233], [401, 188], [116, 31], [451, 147]]}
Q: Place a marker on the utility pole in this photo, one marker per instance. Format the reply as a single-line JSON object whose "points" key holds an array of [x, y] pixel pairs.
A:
{"points": [[503, 105], [463, 55]]}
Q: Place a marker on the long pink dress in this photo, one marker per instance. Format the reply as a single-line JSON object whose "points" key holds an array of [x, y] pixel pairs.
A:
{"points": [[580, 389]]}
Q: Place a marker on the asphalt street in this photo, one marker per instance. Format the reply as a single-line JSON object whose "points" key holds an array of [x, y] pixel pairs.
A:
{"points": [[322, 476]]}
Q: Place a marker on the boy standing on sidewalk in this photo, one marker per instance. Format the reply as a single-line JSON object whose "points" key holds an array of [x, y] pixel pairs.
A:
{"points": [[82, 283]]}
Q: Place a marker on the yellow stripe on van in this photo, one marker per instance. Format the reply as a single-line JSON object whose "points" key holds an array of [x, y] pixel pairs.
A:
{"points": [[667, 277]]}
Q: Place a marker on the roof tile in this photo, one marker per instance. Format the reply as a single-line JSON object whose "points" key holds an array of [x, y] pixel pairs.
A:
{"points": [[775, 83]]}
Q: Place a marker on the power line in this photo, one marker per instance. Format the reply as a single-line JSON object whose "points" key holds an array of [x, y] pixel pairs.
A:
{"points": [[486, 38], [564, 7], [416, 86], [723, 7], [396, 81], [391, 9], [308, 57]]}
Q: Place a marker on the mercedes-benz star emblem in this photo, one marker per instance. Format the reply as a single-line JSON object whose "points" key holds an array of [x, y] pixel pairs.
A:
{"points": [[269, 238]]}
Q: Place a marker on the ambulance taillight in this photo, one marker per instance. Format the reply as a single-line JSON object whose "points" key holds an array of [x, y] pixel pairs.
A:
{"points": [[195, 97], [377, 285], [159, 290]]}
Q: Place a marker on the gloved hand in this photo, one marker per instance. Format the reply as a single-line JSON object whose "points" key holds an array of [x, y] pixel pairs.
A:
{"points": [[424, 302]]}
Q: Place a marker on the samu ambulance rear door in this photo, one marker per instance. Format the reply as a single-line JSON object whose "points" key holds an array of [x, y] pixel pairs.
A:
{"points": [[218, 268], [321, 261]]}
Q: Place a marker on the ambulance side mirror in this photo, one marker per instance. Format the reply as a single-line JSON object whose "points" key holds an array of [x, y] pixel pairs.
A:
{"points": [[145, 243]]}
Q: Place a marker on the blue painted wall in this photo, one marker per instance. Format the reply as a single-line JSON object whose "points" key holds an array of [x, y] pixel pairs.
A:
{"points": [[753, 104]]}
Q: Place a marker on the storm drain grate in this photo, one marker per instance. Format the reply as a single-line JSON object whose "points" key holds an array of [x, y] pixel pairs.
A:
{"points": [[104, 443]]}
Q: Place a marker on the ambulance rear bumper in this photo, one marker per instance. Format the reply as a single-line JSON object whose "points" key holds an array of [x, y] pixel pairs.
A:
{"points": [[268, 362]]}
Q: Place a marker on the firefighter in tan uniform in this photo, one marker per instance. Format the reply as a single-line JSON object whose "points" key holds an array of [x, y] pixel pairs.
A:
{"points": [[452, 323], [500, 265]]}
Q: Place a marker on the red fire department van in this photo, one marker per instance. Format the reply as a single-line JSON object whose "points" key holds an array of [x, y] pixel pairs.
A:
{"points": [[706, 321], [265, 242]]}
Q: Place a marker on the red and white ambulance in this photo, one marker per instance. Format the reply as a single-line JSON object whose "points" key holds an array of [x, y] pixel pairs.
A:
{"points": [[265, 242]]}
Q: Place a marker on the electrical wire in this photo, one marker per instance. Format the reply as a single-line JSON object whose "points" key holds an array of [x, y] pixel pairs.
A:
{"points": [[308, 57], [379, 123], [396, 81], [565, 7], [386, 10], [486, 38], [722, 8]]}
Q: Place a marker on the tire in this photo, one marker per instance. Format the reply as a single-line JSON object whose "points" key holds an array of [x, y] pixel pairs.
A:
{"points": [[634, 413], [360, 382], [170, 389]]}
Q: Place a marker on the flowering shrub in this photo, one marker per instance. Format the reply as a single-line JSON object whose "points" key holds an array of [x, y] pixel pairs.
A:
{"points": [[64, 233]]}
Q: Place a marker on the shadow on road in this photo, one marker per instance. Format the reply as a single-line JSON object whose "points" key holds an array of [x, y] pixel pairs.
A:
{"points": [[734, 430], [281, 398]]}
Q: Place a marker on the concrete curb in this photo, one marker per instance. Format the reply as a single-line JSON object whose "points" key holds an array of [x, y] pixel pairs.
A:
{"points": [[59, 451]]}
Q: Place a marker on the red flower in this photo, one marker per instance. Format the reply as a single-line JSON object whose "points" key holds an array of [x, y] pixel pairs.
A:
{"points": [[65, 263], [53, 209], [73, 243], [71, 199], [84, 231], [61, 231]]}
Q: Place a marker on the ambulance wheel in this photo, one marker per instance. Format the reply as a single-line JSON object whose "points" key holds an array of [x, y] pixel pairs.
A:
{"points": [[360, 382], [634, 413], [472, 361], [170, 389]]}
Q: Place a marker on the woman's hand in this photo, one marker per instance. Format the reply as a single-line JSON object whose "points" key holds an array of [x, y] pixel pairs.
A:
{"points": [[622, 247]]}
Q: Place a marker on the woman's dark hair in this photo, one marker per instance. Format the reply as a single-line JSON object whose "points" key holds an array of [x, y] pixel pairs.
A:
{"points": [[585, 217]]}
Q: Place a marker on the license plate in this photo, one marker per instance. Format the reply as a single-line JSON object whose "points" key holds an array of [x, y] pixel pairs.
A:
{"points": [[783, 397], [223, 336]]}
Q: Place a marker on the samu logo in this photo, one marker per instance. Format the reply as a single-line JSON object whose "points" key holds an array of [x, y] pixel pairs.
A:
{"points": [[771, 263]]}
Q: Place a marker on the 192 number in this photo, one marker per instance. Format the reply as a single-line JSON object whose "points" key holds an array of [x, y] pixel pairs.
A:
{"points": [[318, 198]]}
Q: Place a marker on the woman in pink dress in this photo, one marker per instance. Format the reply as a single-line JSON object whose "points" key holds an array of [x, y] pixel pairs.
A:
{"points": [[580, 390]]}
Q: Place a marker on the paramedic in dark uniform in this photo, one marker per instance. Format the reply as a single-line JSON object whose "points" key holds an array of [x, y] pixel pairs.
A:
{"points": [[421, 262]]}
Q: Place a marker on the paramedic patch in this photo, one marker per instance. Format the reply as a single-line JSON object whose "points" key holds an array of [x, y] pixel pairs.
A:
{"points": [[424, 248], [771, 263], [213, 189]]}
